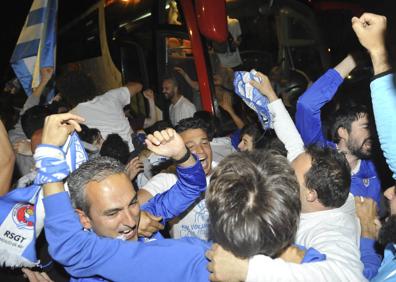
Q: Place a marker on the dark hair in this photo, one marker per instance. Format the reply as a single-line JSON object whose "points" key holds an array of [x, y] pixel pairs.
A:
{"points": [[344, 118], [253, 203], [272, 142], [211, 121], [171, 78], [329, 176], [191, 123], [115, 148], [158, 126], [76, 87], [256, 132], [137, 122], [33, 119], [89, 135]]}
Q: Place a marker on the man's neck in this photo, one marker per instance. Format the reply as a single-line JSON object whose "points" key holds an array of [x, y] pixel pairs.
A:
{"points": [[314, 207], [175, 99]]}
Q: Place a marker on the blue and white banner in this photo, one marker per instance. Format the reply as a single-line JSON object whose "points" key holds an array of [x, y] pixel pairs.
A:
{"points": [[36, 46], [251, 96], [22, 212]]}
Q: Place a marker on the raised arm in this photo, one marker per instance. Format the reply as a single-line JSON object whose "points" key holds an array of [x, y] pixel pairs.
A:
{"points": [[370, 30], [85, 254], [226, 104], [281, 121], [7, 161], [149, 95], [309, 105], [193, 84], [191, 176]]}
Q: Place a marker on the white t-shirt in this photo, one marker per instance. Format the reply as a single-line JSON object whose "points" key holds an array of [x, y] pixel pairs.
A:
{"points": [[192, 223], [105, 112], [181, 110], [232, 59], [335, 233], [221, 147]]}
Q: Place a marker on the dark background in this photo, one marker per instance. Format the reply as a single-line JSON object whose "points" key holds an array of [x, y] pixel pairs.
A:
{"points": [[334, 24]]}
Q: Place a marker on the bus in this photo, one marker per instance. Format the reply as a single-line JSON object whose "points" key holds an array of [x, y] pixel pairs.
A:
{"points": [[116, 41]]}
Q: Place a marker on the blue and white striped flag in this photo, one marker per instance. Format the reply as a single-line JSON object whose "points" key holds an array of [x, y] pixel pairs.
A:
{"points": [[36, 46]]}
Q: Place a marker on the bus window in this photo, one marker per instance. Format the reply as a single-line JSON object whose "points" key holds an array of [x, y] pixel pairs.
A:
{"points": [[257, 41], [180, 64], [81, 41], [300, 42]]}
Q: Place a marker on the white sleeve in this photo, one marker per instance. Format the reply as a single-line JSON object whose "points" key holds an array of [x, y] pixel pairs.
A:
{"points": [[286, 130], [342, 263], [121, 95], [160, 183]]}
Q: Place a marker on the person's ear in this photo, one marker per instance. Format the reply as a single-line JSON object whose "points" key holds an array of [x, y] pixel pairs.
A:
{"points": [[343, 133], [84, 219], [311, 195]]}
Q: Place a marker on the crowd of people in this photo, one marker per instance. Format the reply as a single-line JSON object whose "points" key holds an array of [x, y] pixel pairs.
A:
{"points": [[124, 197]]}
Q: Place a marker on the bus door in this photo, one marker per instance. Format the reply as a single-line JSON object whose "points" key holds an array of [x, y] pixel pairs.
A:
{"points": [[133, 68]]}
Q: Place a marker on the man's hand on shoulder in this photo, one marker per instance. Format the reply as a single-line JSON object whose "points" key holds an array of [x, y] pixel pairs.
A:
{"points": [[224, 266]]}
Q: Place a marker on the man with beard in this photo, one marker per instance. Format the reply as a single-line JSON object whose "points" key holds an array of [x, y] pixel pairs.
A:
{"points": [[180, 107], [370, 30], [350, 130]]}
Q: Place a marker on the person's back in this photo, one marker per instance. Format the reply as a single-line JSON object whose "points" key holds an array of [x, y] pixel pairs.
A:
{"points": [[328, 219], [103, 111]]}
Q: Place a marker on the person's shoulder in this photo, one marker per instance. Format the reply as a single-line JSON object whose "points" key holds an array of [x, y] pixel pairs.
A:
{"points": [[191, 243], [161, 180], [186, 103], [115, 93]]}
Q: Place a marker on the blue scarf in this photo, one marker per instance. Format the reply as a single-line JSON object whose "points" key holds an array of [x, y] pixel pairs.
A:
{"points": [[22, 211], [251, 96]]}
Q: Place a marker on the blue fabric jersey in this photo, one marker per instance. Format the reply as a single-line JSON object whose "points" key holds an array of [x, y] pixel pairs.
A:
{"points": [[383, 94], [387, 271], [365, 182], [87, 256]]}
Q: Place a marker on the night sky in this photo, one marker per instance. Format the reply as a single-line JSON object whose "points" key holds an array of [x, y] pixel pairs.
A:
{"points": [[13, 14]]}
